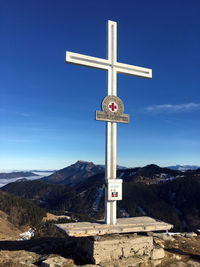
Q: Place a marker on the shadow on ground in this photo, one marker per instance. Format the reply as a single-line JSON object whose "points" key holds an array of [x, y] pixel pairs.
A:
{"points": [[65, 247], [178, 251]]}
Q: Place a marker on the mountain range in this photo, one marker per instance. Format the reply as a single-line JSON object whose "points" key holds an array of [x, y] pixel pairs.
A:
{"points": [[10, 175], [169, 195], [184, 167], [75, 173]]}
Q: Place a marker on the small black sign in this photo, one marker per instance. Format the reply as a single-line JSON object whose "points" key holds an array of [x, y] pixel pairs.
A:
{"points": [[114, 194]]}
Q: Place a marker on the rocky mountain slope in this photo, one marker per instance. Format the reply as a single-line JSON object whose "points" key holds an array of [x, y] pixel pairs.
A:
{"points": [[75, 173]]}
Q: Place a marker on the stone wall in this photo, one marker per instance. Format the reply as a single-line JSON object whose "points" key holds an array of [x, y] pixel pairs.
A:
{"points": [[114, 247]]}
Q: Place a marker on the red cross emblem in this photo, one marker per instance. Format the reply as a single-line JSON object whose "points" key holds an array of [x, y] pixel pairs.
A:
{"points": [[112, 106]]}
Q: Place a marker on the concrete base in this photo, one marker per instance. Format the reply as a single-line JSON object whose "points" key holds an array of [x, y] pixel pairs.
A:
{"points": [[109, 248], [123, 225], [102, 243]]}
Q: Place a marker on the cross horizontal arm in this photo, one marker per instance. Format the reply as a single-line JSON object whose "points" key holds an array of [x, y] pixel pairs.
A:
{"points": [[133, 70], [93, 62]]}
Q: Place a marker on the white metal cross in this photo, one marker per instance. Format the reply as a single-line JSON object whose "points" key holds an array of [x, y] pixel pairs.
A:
{"points": [[112, 67]]}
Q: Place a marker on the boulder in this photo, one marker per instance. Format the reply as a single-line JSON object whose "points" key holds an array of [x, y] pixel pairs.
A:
{"points": [[57, 261], [190, 234], [178, 264], [157, 253], [192, 263]]}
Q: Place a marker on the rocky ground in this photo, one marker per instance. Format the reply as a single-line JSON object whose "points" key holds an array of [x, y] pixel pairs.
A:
{"points": [[178, 251]]}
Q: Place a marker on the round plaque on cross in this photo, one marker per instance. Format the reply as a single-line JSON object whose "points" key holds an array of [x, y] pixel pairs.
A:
{"points": [[112, 104]]}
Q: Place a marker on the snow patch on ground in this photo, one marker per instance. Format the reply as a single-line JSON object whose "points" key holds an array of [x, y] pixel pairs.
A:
{"points": [[132, 173], [97, 200], [142, 210], [27, 235], [124, 213], [121, 175]]}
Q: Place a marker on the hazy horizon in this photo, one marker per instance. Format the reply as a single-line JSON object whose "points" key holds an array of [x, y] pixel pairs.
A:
{"points": [[54, 169]]}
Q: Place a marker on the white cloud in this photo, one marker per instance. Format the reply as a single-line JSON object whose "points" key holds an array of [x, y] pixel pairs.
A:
{"points": [[23, 114], [173, 108], [9, 111]]}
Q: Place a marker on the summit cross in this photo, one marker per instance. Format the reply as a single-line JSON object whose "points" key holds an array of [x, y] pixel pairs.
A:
{"points": [[112, 67]]}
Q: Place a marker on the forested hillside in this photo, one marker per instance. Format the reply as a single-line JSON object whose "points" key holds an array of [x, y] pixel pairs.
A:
{"points": [[20, 211]]}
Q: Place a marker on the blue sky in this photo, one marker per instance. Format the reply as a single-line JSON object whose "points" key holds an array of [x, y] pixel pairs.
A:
{"points": [[47, 107]]}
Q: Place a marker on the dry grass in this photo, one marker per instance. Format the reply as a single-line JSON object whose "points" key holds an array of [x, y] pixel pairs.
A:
{"points": [[8, 231], [52, 217]]}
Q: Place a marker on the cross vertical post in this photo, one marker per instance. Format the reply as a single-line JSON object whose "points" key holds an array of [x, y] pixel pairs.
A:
{"points": [[111, 127]]}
